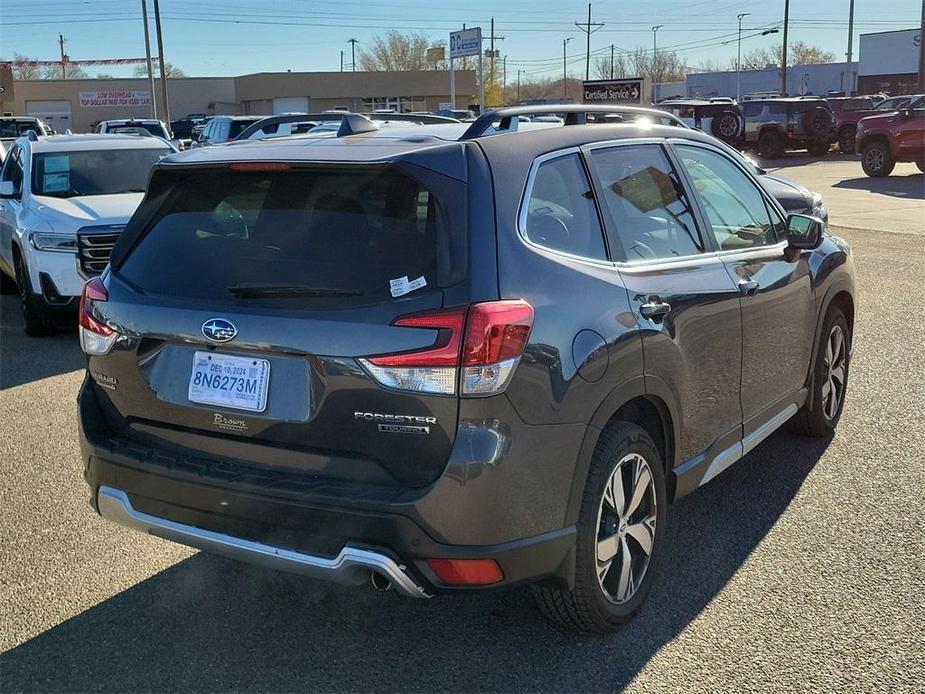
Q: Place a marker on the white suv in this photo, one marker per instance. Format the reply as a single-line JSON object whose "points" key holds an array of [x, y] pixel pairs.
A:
{"points": [[63, 201]]}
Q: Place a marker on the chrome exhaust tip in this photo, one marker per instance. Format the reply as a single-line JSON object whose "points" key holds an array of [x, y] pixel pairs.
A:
{"points": [[380, 582]]}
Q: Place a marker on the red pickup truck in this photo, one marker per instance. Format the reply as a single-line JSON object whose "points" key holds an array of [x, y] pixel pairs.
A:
{"points": [[886, 139], [856, 108]]}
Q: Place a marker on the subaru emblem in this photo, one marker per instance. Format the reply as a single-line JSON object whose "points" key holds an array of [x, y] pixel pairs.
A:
{"points": [[219, 330]]}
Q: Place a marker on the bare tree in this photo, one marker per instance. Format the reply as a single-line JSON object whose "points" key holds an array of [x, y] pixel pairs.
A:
{"points": [[399, 51], [71, 72], [171, 70], [668, 66], [799, 53], [22, 70]]}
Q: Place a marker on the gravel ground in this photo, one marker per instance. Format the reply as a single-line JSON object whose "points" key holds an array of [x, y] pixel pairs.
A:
{"points": [[801, 567]]}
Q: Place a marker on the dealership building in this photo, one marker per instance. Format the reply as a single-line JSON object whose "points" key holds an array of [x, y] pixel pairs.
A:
{"points": [[887, 62], [78, 104]]}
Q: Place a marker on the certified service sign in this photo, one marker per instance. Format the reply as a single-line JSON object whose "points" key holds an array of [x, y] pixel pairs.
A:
{"points": [[623, 91]]}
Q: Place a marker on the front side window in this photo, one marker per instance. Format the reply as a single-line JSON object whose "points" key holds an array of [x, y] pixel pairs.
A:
{"points": [[734, 205], [12, 169], [560, 213], [93, 172], [648, 212]]}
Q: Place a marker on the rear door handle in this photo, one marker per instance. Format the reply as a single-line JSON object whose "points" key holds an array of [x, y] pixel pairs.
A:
{"points": [[654, 308], [748, 287]]}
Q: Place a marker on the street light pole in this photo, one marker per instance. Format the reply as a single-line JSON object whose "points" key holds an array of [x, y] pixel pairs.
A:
{"points": [[518, 84], [144, 14], [565, 69], [654, 56], [850, 90], [783, 60], [739, 57], [165, 102], [353, 54]]}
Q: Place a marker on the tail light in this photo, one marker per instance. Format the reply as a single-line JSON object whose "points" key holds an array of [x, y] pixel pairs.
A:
{"points": [[485, 341], [96, 338]]}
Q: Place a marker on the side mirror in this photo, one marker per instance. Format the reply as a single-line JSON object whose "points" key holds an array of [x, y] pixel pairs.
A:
{"points": [[804, 232], [7, 192]]}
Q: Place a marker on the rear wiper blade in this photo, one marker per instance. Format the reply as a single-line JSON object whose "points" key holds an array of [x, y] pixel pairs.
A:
{"points": [[250, 291]]}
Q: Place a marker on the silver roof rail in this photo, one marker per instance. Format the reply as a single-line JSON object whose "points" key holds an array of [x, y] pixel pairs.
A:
{"points": [[575, 114]]}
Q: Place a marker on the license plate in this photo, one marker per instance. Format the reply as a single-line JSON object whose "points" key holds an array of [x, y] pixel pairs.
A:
{"points": [[237, 382]]}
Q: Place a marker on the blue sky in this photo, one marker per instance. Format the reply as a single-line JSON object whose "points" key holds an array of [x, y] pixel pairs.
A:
{"points": [[231, 37]]}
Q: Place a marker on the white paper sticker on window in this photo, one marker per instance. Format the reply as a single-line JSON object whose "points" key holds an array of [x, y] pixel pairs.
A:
{"points": [[56, 182], [402, 285]]}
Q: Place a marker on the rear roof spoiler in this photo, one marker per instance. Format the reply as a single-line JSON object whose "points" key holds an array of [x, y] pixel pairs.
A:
{"points": [[575, 114]]}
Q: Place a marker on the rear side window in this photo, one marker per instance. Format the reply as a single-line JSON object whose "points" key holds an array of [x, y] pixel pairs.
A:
{"points": [[751, 110], [648, 212], [560, 213], [318, 237]]}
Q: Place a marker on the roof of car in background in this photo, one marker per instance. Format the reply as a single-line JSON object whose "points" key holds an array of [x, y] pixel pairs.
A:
{"points": [[527, 142], [78, 143]]}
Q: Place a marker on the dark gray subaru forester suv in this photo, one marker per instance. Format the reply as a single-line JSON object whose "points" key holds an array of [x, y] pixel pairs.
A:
{"points": [[452, 357]]}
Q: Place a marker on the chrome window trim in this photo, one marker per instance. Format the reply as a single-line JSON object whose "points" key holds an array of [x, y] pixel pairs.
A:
{"points": [[705, 258], [525, 209]]}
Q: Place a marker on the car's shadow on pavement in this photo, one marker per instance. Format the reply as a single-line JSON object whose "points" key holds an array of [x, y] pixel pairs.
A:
{"points": [[911, 187], [25, 359], [210, 624]]}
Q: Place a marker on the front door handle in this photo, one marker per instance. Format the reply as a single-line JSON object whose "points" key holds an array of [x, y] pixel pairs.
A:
{"points": [[654, 309], [748, 287]]}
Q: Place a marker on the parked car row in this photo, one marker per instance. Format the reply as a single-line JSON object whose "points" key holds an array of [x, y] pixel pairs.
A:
{"points": [[774, 125]]}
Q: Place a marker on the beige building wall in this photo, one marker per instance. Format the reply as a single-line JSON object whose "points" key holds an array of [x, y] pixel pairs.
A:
{"points": [[247, 94], [187, 95]]}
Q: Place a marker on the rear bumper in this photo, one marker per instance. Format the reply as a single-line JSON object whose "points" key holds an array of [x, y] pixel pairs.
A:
{"points": [[352, 566], [325, 535]]}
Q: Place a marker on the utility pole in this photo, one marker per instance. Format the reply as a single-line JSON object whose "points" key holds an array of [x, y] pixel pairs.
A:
{"points": [[922, 52], [144, 15], [589, 28], [565, 70], [165, 104], [342, 60], [611, 61], [740, 17], [655, 59], [783, 60], [503, 78], [61, 41], [492, 53], [353, 53], [518, 84], [850, 90]]}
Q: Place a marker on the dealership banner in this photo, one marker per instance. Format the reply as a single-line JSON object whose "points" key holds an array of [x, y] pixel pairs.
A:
{"points": [[115, 97], [625, 91]]}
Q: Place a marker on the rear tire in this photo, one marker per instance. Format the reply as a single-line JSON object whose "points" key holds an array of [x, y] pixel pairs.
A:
{"points": [[726, 125], [627, 474], [846, 143], [35, 319], [877, 160], [829, 380], [770, 144]]}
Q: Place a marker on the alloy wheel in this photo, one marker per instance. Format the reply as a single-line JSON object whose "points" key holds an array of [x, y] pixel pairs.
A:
{"points": [[626, 528], [874, 159], [728, 126], [835, 362]]}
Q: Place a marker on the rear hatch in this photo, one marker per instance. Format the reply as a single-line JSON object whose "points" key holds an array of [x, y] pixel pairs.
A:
{"points": [[247, 297]]}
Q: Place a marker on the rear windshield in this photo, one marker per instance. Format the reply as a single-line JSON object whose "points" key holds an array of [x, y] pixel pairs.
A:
{"points": [[316, 236], [101, 172], [238, 125], [155, 129]]}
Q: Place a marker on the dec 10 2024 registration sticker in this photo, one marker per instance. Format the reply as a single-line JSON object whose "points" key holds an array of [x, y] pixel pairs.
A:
{"points": [[236, 382]]}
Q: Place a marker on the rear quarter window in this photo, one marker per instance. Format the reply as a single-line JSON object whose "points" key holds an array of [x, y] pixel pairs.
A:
{"points": [[222, 235]]}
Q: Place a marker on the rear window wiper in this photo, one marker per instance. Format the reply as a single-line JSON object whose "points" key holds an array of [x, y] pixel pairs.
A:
{"points": [[250, 291]]}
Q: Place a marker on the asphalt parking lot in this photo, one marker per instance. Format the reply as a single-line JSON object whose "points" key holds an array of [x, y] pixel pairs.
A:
{"points": [[801, 567]]}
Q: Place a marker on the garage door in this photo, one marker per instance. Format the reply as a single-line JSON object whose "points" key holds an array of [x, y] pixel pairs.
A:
{"points": [[57, 114], [290, 104]]}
